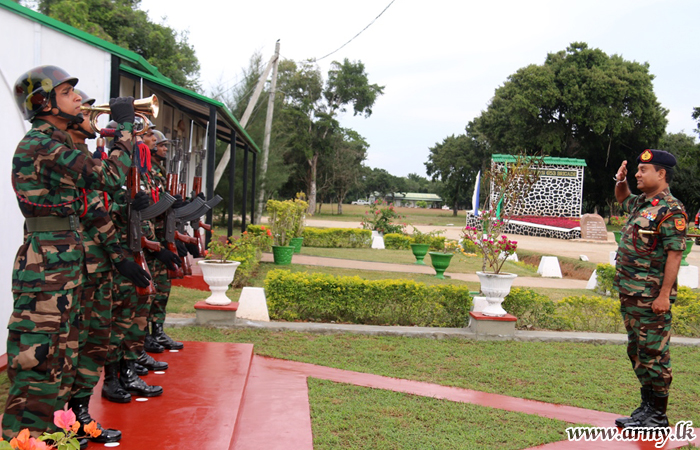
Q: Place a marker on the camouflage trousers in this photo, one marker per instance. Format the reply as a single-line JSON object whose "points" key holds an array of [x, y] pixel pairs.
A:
{"points": [[648, 339], [128, 321], [41, 357], [96, 322], [163, 285]]}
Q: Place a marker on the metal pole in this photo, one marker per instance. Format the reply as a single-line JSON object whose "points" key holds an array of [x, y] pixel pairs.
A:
{"points": [[245, 187], [211, 163], [252, 194], [231, 182]]}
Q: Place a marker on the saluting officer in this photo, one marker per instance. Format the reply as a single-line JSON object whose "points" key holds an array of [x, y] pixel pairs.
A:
{"points": [[50, 178], [648, 259]]}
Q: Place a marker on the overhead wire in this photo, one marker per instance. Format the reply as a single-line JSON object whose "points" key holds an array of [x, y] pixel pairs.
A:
{"points": [[361, 31]]}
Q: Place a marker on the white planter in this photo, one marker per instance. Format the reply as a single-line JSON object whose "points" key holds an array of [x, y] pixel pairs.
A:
{"points": [[495, 287], [218, 275]]}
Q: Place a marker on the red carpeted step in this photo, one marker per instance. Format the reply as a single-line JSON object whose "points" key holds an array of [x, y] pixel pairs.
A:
{"points": [[203, 391]]}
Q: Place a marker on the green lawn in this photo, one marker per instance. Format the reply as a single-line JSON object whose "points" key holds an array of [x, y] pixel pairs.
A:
{"points": [[586, 375]]}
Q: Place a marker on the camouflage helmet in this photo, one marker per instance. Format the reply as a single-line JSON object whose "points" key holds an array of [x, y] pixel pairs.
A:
{"points": [[85, 98], [160, 138], [33, 89]]}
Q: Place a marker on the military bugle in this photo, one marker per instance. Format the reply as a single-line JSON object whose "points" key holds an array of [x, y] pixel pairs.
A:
{"points": [[143, 107]]}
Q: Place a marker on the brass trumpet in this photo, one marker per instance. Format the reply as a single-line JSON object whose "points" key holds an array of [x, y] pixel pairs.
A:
{"points": [[142, 107]]}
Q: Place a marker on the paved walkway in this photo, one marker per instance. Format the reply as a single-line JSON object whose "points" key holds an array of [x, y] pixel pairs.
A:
{"points": [[307, 260]]}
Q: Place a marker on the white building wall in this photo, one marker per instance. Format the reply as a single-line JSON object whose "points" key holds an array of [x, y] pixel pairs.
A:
{"points": [[26, 44]]}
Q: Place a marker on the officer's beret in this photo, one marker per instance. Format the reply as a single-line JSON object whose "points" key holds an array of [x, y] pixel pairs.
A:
{"points": [[657, 157]]}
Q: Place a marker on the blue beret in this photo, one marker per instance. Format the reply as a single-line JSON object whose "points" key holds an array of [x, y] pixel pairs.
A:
{"points": [[657, 157]]}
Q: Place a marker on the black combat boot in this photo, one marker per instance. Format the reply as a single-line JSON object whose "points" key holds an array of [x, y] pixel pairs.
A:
{"points": [[636, 414], [135, 385], [149, 363], [165, 340], [79, 406], [654, 415], [112, 390], [151, 346], [140, 370]]}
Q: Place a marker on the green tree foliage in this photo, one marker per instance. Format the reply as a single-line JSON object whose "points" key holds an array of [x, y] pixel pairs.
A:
{"points": [[456, 162], [686, 184], [580, 103], [310, 109], [123, 23]]}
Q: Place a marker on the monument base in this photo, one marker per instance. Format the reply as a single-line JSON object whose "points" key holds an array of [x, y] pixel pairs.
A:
{"points": [[215, 315], [252, 304], [495, 328], [688, 276]]}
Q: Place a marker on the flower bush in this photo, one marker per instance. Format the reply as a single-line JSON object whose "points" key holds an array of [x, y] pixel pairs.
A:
{"points": [[286, 219], [61, 440], [381, 217], [618, 221], [489, 240], [300, 215]]}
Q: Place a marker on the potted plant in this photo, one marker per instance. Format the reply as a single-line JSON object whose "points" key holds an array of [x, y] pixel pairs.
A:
{"points": [[420, 243], [282, 216], [218, 270], [441, 260], [510, 186], [299, 219]]}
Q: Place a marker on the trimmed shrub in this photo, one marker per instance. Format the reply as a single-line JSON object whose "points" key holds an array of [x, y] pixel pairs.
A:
{"points": [[397, 241], [337, 238], [599, 314], [531, 309], [325, 298]]}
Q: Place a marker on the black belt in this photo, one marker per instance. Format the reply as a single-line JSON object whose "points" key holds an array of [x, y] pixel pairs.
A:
{"points": [[52, 223]]}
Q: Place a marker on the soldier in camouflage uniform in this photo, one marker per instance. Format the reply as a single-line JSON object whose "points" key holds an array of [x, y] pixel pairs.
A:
{"points": [[96, 298], [49, 178], [646, 271], [156, 318], [129, 320]]}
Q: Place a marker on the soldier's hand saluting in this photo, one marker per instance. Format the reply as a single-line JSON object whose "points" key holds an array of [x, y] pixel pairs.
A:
{"points": [[622, 172]]}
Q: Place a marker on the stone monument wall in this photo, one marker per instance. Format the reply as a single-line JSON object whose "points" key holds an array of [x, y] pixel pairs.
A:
{"points": [[558, 193]]}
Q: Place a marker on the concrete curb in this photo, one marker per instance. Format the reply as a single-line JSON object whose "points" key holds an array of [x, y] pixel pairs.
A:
{"points": [[435, 332]]}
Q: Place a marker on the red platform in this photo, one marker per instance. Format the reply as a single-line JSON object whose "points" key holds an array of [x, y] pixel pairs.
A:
{"points": [[480, 316], [203, 391]]}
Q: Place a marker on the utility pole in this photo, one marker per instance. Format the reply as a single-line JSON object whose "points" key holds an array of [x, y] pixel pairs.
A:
{"points": [[268, 131], [219, 172]]}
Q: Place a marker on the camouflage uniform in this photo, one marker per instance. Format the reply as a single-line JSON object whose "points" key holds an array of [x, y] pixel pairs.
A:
{"points": [[49, 177], [96, 298], [128, 320], [641, 261], [158, 270]]}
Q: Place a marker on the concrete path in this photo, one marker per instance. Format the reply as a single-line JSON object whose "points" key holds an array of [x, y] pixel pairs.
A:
{"points": [[307, 260], [597, 252]]}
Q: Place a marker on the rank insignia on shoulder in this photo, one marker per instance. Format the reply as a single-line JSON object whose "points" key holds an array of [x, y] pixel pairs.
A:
{"points": [[655, 202], [680, 224]]}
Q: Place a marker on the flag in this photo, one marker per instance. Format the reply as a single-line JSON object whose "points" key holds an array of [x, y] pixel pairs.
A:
{"points": [[475, 196]]}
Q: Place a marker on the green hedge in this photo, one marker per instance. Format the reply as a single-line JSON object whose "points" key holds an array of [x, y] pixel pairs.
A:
{"points": [[331, 237], [325, 298], [398, 241]]}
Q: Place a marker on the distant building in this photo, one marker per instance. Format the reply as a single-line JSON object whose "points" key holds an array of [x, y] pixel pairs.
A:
{"points": [[409, 199]]}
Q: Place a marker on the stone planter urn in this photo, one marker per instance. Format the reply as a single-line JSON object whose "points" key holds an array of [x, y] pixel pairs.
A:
{"points": [[440, 262], [419, 251], [297, 242], [495, 287], [218, 275], [282, 255]]}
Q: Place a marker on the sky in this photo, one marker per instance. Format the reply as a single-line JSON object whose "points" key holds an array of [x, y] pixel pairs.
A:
{"points": [[440, 61]]}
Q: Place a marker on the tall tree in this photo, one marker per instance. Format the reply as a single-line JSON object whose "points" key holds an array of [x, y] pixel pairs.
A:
{"points": [[311, 108], [346, 163], [686, 183], [455, 162], [123, 23], [580, 103]]}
